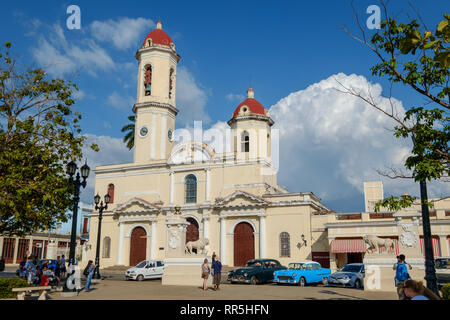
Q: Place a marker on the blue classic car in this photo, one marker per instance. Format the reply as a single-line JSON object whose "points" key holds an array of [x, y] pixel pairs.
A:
{"points": [[255, 271], [352, 275], [302, 273]]}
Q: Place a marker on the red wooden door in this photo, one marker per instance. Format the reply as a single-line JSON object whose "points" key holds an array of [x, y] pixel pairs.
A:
{"points": [[244, 244], [24, 245], [192, 230], [38, 247], [138, 246], [321, 257]]}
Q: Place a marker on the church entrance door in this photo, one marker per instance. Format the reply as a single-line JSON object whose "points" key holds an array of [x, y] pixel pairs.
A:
{"points": [[244, 244], [138, 246]]}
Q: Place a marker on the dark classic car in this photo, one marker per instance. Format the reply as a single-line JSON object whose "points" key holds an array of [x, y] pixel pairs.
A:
{"points": [[255, 271], [442, 271]]}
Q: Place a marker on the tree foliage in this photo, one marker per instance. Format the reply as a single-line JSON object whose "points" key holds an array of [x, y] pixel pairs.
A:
{"points": [[129, 129], [39, 134]]}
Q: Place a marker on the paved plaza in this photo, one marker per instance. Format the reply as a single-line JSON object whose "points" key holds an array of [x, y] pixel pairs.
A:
{"points": [[113, 289]]}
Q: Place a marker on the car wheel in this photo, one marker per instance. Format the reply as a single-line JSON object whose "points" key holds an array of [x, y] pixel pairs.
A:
{"points": [[325, 281], [253, 280], [302, 282], [358, 284], [140, 277]]}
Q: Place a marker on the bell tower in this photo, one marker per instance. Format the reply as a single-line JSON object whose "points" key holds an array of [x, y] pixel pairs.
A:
{"points": [[155, 106]]}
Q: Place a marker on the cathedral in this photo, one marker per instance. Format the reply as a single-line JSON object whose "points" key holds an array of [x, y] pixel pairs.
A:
{"points": [[231, 198]]}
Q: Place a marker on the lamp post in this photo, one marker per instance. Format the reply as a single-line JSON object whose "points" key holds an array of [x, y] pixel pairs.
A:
{"points": [[100, 209], [77, 183]]}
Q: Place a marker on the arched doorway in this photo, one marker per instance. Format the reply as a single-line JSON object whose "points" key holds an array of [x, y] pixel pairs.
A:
{"points": [[138, 246], [244, 243], [192, 230]]}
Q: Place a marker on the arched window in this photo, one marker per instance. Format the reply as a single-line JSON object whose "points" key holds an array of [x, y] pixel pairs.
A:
{"points": [[285, 245], [245, 142], [111, 192], [191, 189], [148, 80], [106, 247]]}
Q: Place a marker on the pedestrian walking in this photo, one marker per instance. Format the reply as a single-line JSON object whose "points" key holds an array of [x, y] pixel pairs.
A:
{"points": [[401, 275], [22, 270], [415, 290], [89, 272], [217, 270], [63, 267], [206, 270]]}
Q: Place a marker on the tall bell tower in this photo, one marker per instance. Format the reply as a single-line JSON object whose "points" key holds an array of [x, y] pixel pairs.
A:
{"points": [[155, 106]]}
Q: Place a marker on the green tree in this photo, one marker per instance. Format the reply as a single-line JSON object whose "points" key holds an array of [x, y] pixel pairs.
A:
{"points": [[419, 58], [39, 134], [129, 128]]}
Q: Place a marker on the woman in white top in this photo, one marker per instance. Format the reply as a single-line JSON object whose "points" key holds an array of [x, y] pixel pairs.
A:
{"points": [[206, 270]]}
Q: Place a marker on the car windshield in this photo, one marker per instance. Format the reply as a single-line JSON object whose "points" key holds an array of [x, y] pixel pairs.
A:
{"points": [[254, 264], [141, 264], [297, 266], [352, 268], [442, 264]]}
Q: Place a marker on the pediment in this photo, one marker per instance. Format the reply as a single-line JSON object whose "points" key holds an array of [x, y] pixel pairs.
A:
{"points": [[241, 198], [136, 205]]}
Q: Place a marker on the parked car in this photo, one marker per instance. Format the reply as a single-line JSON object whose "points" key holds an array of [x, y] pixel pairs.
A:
{"points": [[255, 271], [352, 275], [147, 269], [442, 271], [302, 273]]}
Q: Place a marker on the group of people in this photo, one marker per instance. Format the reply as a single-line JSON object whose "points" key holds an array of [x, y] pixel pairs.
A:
{"points": [[37, 272], [215, 270], [407, 288]]}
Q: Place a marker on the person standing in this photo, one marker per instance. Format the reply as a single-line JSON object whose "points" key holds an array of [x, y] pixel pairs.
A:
{"points": [[401, 275], [30, 270], [89, 272], [206, 270], [217, 270], [63, 267]]}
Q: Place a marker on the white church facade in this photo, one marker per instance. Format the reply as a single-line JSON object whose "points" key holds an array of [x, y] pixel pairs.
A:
{"points": [[231, 198]]}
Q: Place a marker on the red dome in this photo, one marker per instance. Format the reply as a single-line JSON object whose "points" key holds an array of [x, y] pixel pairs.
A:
{"points": [[159, 36], [253, 104]]}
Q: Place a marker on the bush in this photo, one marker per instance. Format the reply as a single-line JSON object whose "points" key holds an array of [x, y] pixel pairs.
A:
{"points": [[446, 291], [7, 284]]}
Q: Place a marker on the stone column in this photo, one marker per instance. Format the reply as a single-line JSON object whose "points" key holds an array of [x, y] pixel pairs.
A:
{"points": [[120, 246], [1, 246], [206, 226], [171, 187], [16, 249], [30, 246], [153, 241], [223, 240], [443, 243], [262, 237], [207, 187]]}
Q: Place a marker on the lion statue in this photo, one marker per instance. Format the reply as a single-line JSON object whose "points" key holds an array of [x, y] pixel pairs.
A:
{"points": [[200, 245], [375, 242]]}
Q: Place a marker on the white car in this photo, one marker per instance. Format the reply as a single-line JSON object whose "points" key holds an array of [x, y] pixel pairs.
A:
{"points": [[147, 269]]}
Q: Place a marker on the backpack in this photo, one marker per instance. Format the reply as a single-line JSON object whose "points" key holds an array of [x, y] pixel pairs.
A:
{"points": [[402, 272], [86, 272]]}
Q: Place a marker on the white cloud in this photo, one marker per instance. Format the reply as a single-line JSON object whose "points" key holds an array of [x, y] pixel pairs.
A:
{"points": [[331, 142], [235, 97], [191, 99], [120, 102], [123, 33], [61, 57]]}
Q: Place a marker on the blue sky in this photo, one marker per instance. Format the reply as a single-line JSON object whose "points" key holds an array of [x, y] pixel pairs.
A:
{"points": [[278, 48]]}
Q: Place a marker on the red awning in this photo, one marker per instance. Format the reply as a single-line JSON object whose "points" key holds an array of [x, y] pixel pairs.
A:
{"points": [[348, 245]]}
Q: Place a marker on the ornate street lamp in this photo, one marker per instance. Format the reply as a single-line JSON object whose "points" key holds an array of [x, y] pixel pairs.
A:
{"points": [[71, 169], [100, 208], [77, 183]]}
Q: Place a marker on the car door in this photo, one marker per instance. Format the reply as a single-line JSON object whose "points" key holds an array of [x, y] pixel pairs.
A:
{"points": [[150, 270], [159, 269], [309, 273]]}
